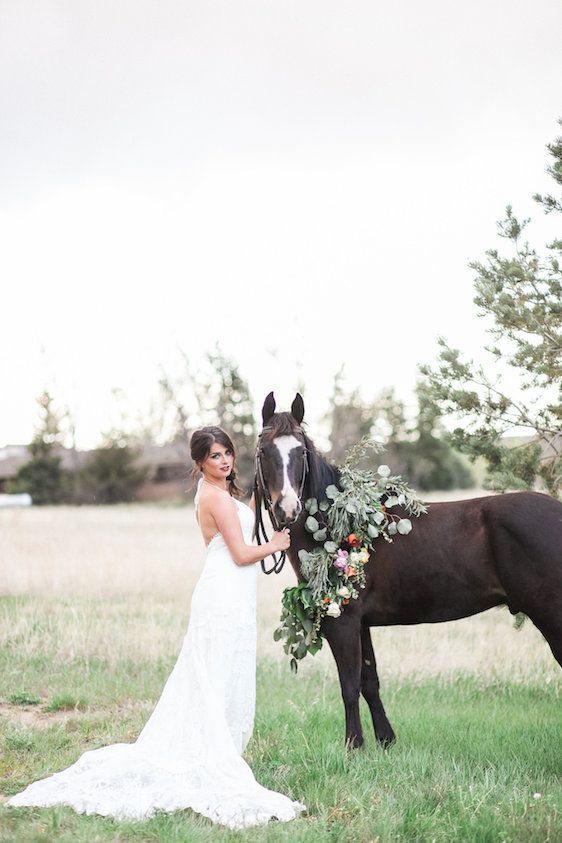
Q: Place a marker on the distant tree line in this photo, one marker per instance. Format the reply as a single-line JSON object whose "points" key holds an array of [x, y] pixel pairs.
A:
{"points": [[521, 297]]}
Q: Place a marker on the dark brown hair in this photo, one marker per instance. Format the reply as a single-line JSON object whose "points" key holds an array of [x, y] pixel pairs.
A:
{"points": [[200, 445]]}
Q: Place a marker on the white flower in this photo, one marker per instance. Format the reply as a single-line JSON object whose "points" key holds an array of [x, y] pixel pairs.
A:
{"points": [[333, 610], [353, 558], [343, 592], [383, 470], [537, 795]]}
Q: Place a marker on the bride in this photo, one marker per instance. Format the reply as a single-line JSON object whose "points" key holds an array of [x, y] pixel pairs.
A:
{"points": [[188, 754]]}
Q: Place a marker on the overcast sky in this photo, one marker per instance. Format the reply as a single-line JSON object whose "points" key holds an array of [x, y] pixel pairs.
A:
{"points": [[304, 182]]}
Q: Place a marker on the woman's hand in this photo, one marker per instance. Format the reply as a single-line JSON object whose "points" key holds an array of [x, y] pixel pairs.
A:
{"points": [[281, 540]]}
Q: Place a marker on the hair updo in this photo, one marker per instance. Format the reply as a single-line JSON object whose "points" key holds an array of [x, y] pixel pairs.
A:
{"points": [[200, 446]]}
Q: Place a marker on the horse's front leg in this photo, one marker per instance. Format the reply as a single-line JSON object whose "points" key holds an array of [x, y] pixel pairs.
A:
{"points": [[344, 637], [370, 690]]}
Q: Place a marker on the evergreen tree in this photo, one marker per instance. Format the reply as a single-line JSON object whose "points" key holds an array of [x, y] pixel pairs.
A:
{"points": [[426, 458], [112, 473], [43, 476], [522, 296]]}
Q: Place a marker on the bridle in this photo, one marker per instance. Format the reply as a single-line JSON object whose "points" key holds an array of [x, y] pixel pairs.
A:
{"points": [[263, 496]]}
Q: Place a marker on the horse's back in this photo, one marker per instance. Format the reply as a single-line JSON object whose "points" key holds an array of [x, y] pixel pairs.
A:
{"points": [[466, 556]]}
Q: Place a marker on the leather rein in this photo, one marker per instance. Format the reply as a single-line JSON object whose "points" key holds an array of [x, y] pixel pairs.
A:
{"points": [[262, 496]]}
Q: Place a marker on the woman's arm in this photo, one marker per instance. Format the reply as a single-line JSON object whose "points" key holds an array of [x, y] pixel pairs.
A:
{"points": [[223, 510], [252, 503]]}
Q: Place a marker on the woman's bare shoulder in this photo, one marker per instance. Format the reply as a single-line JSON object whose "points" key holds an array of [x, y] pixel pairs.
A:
{"points": [[216, 499]]}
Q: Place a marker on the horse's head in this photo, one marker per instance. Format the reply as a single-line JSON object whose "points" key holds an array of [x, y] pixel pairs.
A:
{"points": [[281, 459]]}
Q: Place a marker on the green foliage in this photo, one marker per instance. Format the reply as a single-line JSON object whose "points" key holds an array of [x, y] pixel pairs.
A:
{"points": [[20, 741], [43, 476], [64, 702], [521, 295], [420, 449], [112, 473], [24, 698], [352, 517]]}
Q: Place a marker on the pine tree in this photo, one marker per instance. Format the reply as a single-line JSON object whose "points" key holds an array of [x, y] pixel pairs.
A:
{"points": [[522, 296], [112, 473], [43, 476]]}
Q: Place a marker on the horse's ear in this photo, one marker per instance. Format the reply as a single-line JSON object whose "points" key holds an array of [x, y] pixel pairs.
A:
{"points": [[268, 408], [297, 408]]}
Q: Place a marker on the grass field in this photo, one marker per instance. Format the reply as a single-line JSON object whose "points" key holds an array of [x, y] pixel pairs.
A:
{"points": [[95, 602]]}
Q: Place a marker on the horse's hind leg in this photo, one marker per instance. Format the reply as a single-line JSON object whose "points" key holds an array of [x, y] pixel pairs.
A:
{"points": [[551, 628], [370, 690]]}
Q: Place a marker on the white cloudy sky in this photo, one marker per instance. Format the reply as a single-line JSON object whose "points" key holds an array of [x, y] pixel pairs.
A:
{"points": [[303, 181]]}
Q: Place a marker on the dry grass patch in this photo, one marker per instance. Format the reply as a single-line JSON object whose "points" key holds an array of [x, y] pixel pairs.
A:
{"points": [[115, 583]]}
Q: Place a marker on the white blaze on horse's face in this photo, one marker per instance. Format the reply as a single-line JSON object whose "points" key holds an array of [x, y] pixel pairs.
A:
{"points": [[288, 498]]}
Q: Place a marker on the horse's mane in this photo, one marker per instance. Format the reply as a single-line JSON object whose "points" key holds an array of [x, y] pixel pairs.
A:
{"points": [[321, 473]]}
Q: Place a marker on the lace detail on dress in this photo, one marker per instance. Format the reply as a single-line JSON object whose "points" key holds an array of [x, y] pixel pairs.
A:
{"points": [[188, 754]]}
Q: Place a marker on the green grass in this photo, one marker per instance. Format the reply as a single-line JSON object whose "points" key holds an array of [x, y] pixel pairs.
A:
{"points": [[65, 702], [23, 698], [477, 758]]}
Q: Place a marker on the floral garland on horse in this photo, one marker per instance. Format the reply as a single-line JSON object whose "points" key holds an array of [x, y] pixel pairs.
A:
{"points": [[346, 523]]}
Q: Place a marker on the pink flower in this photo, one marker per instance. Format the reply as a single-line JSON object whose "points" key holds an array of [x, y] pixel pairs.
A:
{"points": [[341, 560]]}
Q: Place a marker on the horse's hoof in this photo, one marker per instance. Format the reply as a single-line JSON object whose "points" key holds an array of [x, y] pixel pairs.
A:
{"points": [[387, 739], [354, 742]]}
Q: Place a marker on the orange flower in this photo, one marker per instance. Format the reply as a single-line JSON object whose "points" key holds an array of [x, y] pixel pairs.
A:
{"points": [[345, 602], [350, 571], [353, 540], [326, 600]]}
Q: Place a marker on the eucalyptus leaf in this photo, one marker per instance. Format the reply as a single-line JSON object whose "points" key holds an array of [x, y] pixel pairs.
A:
{"points": [[320, 535], [324, 505], [330, 547], [378, 517], [308, 503], [391, 501], [301, 650], [372, 530], [392, 529], [311, 524], [404, 526], [332, 491], [351, 507]]}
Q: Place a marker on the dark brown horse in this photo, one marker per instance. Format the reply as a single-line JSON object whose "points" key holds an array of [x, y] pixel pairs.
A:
{"points": [[461, 558]]}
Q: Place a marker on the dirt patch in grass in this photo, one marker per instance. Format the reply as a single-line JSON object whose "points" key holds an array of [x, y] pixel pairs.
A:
{"points": [[35, 716], [40, 717]]}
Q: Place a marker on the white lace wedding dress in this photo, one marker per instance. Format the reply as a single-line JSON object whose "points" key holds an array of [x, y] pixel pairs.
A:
{"points": [[188, 754]]}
